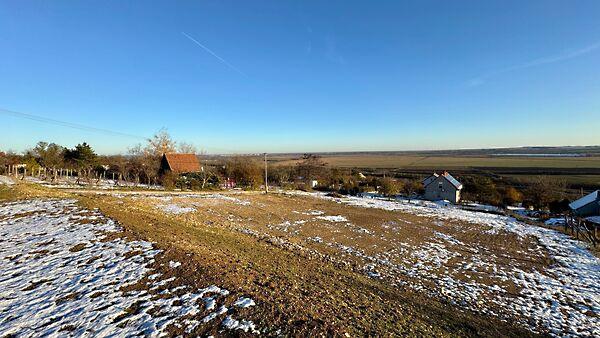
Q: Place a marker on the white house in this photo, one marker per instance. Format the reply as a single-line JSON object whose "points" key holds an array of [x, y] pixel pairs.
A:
{"points": [[442, 187]]}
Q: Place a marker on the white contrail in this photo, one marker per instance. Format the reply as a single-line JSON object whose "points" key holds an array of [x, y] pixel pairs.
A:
{"points": [[213, 53], [537, 62]]}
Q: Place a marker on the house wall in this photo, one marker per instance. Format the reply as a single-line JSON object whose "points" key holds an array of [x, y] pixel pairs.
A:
{"points": [[591, 209], [441, 189], [164, 166]]}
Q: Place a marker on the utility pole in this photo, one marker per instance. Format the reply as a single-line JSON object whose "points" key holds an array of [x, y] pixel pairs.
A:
{"points": [[266, 180]]}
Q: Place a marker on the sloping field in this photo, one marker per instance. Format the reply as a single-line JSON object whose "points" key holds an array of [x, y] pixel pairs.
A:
{"points": [[64, 273], [486, 263], [296, 264]]}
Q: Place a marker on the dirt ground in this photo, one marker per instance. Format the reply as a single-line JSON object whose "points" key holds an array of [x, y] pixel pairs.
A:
{"points": [[248, 244], [319, 267]]}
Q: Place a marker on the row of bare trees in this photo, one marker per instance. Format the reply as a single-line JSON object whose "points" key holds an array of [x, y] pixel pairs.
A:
{"points": [[141, 164]]}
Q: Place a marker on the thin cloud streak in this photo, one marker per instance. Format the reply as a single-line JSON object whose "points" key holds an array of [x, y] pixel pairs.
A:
{"points": [[213, 54], [537, 62]]}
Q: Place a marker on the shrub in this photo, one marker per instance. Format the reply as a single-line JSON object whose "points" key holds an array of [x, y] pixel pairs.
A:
{"points": [[168, 180], [482, 189], [511, 196], [388, 186], [542, 190], [246, 172]]}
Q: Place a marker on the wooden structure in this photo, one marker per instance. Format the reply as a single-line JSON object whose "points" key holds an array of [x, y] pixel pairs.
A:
{"points": [[179, 163], [442, 187], [584, 217], [588, 205]]}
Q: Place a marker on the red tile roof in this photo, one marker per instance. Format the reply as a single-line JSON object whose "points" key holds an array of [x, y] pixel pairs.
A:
{"points": [[182, 163]]}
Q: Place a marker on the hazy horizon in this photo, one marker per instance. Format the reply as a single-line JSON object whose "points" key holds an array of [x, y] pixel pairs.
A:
{"points": [[205, 151]]}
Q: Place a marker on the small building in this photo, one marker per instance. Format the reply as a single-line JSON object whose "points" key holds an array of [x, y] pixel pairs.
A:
{"points": [[442, 187], [228, 183], [179, 163], [588, 205]]}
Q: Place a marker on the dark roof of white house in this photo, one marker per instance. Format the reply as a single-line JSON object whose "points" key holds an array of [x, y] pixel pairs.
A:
{"points": [[445, 175], [453, 180], [430, 179]]}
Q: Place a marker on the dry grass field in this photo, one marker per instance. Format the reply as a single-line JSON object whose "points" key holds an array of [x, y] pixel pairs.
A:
{"points": [[575, 171], [450, 162], [315, 265]]}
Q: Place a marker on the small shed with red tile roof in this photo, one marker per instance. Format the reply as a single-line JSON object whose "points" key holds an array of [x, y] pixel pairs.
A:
{"points": [[179, 163]]}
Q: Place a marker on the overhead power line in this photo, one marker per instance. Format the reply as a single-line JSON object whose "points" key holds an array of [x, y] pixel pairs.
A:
{"points": [[68, 124], [87, 128]]}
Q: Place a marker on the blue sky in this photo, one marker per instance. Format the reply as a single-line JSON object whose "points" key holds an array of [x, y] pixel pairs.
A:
{"points": [[302, 76]]}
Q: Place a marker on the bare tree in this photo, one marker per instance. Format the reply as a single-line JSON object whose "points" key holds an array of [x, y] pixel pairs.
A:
{"points": [[412, 187], [389, 187], [311, 167], [543, 190], [187, 148], [145, 162], [161, 143], [245, 171], [119, 165]]}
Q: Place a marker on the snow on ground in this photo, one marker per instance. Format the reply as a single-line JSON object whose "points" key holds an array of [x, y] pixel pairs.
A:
{"points": [[336, 218], [168, 198], [60, 273], [6, 180], [175, 209], [448, 238], [227, 198], [72, 182], [564, 298], [555, 221], [481, 207], [244, 325], [310, 212], [244, 302]]}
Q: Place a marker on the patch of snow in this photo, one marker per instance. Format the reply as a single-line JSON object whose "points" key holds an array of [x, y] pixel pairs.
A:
{"points": [[337, 218], [215, 314], [244, 325], [225, 198], [175, 209], [311, 212], [174, 265], [481, 207], [244, 302], [448, 238], [594, 219], [555, 221], [6, 180]]}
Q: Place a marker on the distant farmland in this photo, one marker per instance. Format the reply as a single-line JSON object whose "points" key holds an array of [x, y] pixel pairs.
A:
{"points": [[577, 172], [377, 161]]}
